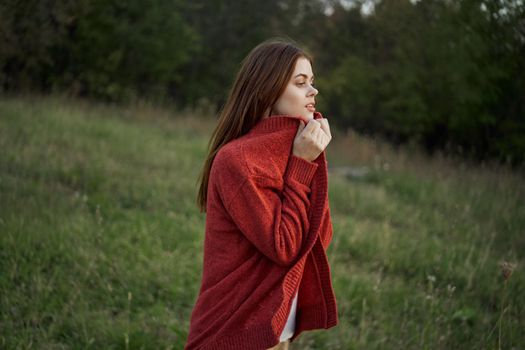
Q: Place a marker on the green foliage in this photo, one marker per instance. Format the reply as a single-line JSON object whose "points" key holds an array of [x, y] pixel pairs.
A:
{"points": [[29, 30], [350, 93], [118, 51], [446, 74], [105, 49]]}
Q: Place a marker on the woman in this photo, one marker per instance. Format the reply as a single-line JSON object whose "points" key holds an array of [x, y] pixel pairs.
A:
{"points": [[264, 185]]}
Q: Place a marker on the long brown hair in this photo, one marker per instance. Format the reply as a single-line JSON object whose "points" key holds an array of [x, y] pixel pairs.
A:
{"points": [[262, 78]]}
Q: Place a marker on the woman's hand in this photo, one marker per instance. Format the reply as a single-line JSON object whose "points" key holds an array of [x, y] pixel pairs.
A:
{"points": [[312, 139]]}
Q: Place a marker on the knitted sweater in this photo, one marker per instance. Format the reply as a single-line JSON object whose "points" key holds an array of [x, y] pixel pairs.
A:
{"points": [[268, 227]]}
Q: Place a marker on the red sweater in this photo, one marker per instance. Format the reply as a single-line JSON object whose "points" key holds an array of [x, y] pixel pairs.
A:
{"points": [[268, 227]]}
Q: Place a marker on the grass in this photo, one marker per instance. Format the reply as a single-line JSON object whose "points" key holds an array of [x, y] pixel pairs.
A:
{"points": [[101, 240]]}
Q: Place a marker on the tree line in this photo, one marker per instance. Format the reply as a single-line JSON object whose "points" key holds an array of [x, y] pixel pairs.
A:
{"points": [[448, 74]]}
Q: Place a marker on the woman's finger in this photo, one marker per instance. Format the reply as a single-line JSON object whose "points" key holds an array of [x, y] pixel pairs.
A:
{"points": [[300, 128], [313, 126], [325, 127]]}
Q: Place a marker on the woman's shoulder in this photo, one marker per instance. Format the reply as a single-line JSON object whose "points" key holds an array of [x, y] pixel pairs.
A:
{"points": [[246, 157], [229, 160]]}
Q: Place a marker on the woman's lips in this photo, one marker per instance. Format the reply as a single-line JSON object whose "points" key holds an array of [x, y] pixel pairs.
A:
{"points": [[310, 107]]}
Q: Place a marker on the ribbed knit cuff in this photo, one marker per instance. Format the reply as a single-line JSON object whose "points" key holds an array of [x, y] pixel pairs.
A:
{"points": [[301, 169]]}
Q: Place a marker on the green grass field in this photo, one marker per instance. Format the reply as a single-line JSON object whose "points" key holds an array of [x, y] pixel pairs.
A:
{"points": [[101, 239]]}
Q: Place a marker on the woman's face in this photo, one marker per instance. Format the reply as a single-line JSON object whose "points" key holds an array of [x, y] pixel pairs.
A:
{"points": [[298, 98]]}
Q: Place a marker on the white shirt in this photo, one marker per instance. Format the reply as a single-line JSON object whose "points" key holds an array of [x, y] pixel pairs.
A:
{"points": [[289, 328]]}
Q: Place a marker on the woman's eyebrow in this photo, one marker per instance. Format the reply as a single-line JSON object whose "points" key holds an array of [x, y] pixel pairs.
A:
{"points": [[304, 75]]}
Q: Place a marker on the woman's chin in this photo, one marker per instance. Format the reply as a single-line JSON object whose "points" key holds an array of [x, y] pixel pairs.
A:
{"points": [[308, 115]]}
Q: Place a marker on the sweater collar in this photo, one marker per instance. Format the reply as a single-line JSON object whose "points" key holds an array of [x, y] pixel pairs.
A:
{"points": [[279, 121]]}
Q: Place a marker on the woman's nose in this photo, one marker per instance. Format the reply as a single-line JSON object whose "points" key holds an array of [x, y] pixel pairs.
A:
{"points": [[313, 91]]}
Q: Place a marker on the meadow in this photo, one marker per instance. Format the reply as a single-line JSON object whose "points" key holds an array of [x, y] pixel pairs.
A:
{"points": [[101, 239]]}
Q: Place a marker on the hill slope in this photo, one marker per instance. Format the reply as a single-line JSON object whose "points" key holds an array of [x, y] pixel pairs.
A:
{"points": [[101, 240]]}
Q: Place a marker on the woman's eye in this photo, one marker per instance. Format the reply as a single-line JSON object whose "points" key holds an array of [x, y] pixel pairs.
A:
{"points": [[304, 83]]}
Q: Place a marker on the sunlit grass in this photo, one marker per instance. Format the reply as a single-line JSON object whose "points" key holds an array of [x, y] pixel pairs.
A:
{"points": [[101, 240]]}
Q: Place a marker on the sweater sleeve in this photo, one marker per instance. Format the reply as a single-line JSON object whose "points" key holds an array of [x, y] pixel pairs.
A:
{"points": [[275, 218], [327, 229]]}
